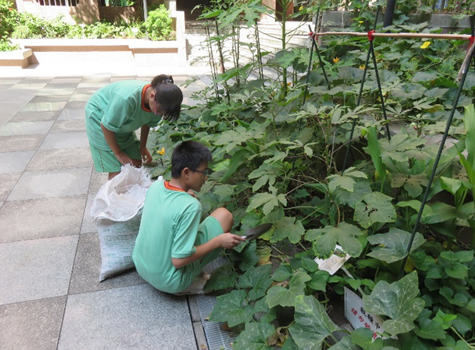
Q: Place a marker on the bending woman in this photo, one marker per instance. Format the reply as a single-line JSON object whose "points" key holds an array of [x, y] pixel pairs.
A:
{"points": [[116, 111]]}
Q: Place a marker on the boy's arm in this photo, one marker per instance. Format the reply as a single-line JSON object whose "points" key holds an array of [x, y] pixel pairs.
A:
{"points": [[225, 240]]}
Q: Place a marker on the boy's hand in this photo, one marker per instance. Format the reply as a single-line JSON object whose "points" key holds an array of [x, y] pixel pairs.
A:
{"points": [[230, 240]]}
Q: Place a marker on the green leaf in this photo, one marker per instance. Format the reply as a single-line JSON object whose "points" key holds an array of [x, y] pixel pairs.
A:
{"points": [[360, 189], [375, 207], [397, 301], [429, 329], [364, 338], [374, 151], [445, 320], [345, 344], [469, 120], [288, 227], [258, 279], [312, 324], [278, 295], [221, 278], [254, 337], [327, 238], [282, 273], [268, 200], [230, 308], [239, 158], [249, 256], [319, 280], [393, 245]]}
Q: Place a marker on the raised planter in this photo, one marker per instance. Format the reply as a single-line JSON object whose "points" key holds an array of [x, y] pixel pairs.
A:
{"points": [[102, 52], [107, 52], [17, 58]]}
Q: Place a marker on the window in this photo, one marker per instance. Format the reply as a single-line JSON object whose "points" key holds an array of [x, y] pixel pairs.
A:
{"points": [[58, 2]]}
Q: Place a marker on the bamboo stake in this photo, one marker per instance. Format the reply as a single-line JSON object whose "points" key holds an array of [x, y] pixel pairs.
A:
{"points": [[402, 35]]}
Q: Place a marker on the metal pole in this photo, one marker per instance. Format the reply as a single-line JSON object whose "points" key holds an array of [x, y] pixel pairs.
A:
{"points": [[389, 14], [145, 13]]}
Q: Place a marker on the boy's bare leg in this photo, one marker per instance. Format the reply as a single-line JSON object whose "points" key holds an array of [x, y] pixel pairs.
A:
{"points": [[224, 217]]}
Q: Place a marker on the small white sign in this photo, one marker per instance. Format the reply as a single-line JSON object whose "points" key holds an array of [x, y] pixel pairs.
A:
{"points": [[358, 317], [334, 262]]}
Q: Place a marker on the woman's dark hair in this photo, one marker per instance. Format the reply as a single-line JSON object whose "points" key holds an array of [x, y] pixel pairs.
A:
{"points": [[168, 95], [189, 154]]}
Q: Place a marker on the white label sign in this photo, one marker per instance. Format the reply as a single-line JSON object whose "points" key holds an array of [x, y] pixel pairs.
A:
{"points": [[358, 317], [333, 263]]}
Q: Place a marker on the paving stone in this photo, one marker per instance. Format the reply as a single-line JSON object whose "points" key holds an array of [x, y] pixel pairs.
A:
{"points": [[69, 125], [7, 182], [41, 218], [44, 106], [65, 158], [25, 128], [53, 183], [32, 324], [75, 111], [20, 143], [36, 269], [137, 317], [39, 116], [97, 181], [87, 224], [65, 140], [87, 268], [14, 162]]}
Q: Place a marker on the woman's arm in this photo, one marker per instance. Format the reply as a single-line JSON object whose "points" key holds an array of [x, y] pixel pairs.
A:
{"points": [[144, 131], [225, 240], [114, 146]]}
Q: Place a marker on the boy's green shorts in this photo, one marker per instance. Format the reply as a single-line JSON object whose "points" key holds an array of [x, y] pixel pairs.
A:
{"points": [[106, 162]]}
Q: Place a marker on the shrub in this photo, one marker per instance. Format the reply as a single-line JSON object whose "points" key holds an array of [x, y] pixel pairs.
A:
{"points": [[159, 24]]}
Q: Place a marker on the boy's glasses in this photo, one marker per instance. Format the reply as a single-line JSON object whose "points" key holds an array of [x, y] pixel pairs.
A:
{"points": [[207, 172]]}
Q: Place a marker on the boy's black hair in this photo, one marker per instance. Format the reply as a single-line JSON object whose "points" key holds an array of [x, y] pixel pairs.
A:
{"points": [[189, 154], [168, 95]]}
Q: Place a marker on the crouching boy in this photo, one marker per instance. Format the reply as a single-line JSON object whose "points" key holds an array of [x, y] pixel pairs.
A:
{"points": [[173, 246]]}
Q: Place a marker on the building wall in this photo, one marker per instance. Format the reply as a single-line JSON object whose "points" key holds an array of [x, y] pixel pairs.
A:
{"points": [[86, 11]]}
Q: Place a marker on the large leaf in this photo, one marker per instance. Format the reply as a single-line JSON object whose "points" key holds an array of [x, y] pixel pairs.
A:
{"points": [[230, 308], [221, 278], [392, 246], [312, 324], [239, 158], [375, 207], [364, 338], [398, 301], [469, 120], [374, 151], [429, 329], [327, 238], [268, 201], [254, 337], [258, 279], [360, 189], [278, 295], [288, 227]]}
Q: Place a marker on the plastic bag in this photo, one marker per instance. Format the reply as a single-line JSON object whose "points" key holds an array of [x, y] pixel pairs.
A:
{"points": [[121, 198], [117, 210]]}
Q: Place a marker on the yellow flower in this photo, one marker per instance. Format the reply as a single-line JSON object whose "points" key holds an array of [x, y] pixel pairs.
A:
{"points": [[300, 8], [336, 59], [162, 151], [425, 45], [362, 67]]}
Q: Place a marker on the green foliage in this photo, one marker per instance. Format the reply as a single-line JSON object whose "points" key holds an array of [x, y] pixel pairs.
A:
{"points": [[24, 25], [279, 160], [159, 24]]}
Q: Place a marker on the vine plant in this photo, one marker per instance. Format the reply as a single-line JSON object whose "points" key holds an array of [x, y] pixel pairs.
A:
{"points": [[278, 160]]}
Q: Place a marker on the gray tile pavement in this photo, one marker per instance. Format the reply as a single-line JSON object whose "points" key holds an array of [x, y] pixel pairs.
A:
{"points": [[50, 294]]}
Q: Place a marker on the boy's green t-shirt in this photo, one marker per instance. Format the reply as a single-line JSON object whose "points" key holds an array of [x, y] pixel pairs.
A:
{"points": [[118, 106], [169, 227]]}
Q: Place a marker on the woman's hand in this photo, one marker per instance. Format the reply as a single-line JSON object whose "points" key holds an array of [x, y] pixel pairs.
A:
{"points": [[146, 156], [123, 158], [230, 240]]}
